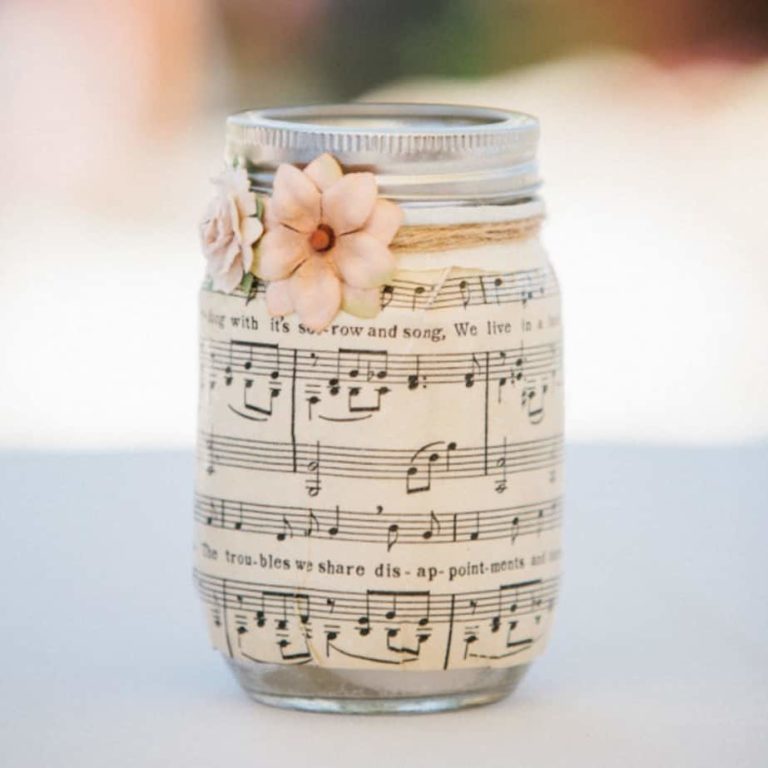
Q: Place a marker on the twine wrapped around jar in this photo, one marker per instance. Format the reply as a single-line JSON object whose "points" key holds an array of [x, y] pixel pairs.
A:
{"points": [[444, 237]]}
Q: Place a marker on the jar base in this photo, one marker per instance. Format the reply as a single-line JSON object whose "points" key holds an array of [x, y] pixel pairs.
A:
{"points": [[373, 692]]}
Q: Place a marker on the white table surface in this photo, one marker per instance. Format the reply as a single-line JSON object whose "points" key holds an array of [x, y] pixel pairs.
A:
{"points": [[659, 655]]}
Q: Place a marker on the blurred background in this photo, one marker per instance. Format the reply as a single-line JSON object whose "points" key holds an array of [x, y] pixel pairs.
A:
{"points": [[654, 124]]}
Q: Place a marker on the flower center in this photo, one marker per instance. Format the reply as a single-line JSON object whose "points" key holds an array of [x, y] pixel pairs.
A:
{"points": [[322, 238]]}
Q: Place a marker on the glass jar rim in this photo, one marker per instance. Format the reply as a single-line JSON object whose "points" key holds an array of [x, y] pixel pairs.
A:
{"points": [[420, 153]]}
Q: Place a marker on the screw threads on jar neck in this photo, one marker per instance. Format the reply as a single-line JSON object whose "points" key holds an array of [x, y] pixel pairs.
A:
{"points": [[420, 153]]}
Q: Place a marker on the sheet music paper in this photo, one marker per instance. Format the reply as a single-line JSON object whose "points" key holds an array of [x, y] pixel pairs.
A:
{"points": [[385, 494]]}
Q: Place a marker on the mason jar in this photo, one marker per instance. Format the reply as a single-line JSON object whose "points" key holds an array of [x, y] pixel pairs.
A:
{"points": [[378, 498]]}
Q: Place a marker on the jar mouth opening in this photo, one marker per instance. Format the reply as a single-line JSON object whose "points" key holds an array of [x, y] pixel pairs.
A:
{"points": [[420, 153], [398, 118]]}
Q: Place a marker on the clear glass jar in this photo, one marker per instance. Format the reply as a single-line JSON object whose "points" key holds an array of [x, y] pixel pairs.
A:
{"points": [[378, 503]]}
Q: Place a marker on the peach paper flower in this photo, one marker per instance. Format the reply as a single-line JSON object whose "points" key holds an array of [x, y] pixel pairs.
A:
{"points": [[326, 243], [229, 230]]}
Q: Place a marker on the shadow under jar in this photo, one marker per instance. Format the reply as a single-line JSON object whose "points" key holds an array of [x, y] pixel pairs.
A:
{"points": [[378, 504]]}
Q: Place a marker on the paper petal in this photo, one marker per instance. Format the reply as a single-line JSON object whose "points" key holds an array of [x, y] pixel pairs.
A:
{"points": [[229, 280], [246, 204], [361, 302], [295, 199], [279, 298], [221, 259], [364, 262], [250, 229], [349, 202], [316, 292], [279, 253], [324, 171], [383, 223]]}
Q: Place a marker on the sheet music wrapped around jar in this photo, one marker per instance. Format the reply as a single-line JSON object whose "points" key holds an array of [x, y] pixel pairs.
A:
{"points": [[380, 431]]}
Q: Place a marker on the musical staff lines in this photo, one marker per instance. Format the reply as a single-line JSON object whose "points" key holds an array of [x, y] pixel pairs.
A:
{"points": [[353, 440], [266, 601], [346, 385], [354, 366], [284, 522], [519, 286], [272, 623], [416, 469]]}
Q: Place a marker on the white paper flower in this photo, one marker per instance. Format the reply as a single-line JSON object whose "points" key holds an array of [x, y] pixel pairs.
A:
{"points": [[229, 230]]}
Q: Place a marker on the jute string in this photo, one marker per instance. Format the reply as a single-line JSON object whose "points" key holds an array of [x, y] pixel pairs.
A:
{"points": [[445, 237]]}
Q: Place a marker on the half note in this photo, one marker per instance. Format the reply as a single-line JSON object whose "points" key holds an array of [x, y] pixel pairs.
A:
{"points": [[313, 483]]}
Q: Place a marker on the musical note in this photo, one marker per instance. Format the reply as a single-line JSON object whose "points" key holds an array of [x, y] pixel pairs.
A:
{"points": [[415, 605], [261, 613], [313, 398], [417, 293], [392, 613], [434, 527], [303, 607], [526, 288], [469, 638], [419, 473], [387, 294], [333, 530], [393, 533], [312, 523], [364, 369], [287, 530], [516, 372], [469, 378], [210, 442], [287, 635], [364, 622], [466, 293], [367, 364], [491, 288], [414, 379], [533, 402], [268, 357], [501, 463], [355, 406], [474, 535], [313, 484]]}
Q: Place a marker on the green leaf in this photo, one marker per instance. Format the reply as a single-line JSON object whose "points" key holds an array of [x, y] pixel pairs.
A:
{"points": [[252, 291], [247, 282]]}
